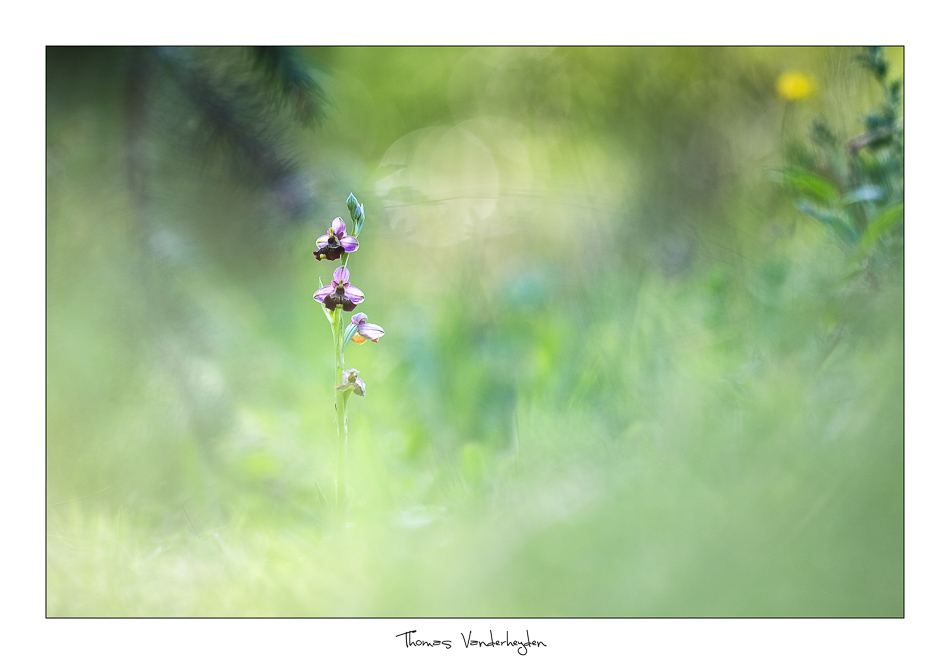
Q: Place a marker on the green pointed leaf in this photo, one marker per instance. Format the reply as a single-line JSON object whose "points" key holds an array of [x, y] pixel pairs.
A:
{"points": [[839, 223], [885, 221], [810, 183]]}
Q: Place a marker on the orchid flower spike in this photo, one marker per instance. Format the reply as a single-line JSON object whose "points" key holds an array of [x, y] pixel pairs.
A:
{"points": [[336, 242], [352, 381], [340, 292], [365, 330]]}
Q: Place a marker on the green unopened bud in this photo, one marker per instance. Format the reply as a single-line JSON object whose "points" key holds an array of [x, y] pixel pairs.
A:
{"points": [[356, 214]]}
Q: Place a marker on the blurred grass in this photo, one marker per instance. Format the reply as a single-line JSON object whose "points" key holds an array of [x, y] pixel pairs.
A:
{"points": [[621, 377]]}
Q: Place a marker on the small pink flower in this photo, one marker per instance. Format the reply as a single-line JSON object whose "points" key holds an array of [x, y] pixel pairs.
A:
{"points": [[352, 381], [340, 292], [336, 242], [365, 330]]}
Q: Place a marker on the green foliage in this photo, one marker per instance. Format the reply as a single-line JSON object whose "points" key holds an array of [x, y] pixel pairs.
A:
{"points": [[856, 189], [293, 83]]}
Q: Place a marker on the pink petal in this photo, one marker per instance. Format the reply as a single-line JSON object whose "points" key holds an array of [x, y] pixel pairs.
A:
{"points": [[338, 227], [370, 331], [354, 294], [321, 294], [349, 243], [358, 318], [341, 276], [323, 241]]}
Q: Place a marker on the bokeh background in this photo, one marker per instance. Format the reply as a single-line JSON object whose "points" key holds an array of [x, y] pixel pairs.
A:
{"points": [[622, 374]]}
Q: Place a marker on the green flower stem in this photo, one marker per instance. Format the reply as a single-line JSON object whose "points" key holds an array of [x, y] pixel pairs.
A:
{"points": [[341, 457], [336, 323]]}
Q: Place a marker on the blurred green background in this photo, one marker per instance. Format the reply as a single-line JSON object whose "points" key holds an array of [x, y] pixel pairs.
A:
{"points": [[622, 375]]}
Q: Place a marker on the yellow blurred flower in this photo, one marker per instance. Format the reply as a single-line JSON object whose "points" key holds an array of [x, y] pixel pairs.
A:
{"points": [[794, 85]]}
